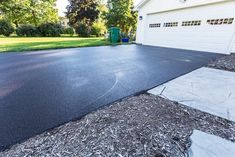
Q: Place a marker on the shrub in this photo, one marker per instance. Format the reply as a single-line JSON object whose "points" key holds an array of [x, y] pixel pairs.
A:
{"points": [[132, 36], [98, 29], [6, 28], [69, 31], [82, 30], [50, 30], [124, 35], [27, 30]]}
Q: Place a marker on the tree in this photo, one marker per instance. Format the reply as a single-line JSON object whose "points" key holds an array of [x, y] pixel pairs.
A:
{"points": [[42, 11], [1, 16], [1, 13], [99, 27], [121, 14], [83, 13], [29, 11], [13, 10]]}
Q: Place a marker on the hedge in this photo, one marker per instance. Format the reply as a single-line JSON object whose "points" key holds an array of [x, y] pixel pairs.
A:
{"points": [[50, 30], [27, 30], [6, 28]]}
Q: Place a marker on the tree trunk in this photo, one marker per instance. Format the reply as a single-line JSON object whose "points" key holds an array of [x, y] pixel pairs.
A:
{"points": [[34, 18], [16, 23]]}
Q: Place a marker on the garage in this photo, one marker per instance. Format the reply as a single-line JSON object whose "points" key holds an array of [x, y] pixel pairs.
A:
{"points": [[233, 47], [200, 26]]}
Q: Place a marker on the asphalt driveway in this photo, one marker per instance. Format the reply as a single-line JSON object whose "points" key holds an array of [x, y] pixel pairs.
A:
{"points": [[44, 89]]}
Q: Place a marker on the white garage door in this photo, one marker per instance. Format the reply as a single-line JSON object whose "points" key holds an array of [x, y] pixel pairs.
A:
{"points": [[208, 28], [233, 47]]}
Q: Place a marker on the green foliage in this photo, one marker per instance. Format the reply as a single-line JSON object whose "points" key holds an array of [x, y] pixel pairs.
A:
{"points": [[82, 30], [131, 35], [82, 14], [50, 30], [27, 30], [121, 14], [13, 10], [69, 31], [6, 28], [98, 29], [29, 11]]}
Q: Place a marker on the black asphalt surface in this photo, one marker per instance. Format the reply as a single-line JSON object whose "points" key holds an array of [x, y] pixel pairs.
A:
{"points": [[44, 89]]}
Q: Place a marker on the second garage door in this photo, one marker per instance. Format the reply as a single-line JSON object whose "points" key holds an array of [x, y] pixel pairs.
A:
{"points": [[207, 28]]}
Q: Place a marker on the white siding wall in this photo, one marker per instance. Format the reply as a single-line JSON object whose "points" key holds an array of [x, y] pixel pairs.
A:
{"points": [[220, 36], [233, 48], [140, 28], [153, 6], [211, 38]]}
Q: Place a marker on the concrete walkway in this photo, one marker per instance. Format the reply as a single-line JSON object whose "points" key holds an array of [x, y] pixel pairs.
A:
{"points": [[206, 145], [206, 89]]}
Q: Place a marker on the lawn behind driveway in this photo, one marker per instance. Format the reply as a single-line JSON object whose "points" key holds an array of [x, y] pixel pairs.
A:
{"points": [[18, 44]]}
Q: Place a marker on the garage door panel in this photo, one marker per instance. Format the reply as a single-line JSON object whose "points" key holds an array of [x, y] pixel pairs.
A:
{"points": [[206, 37], [233, 48], [202, 47], [190, 38]]}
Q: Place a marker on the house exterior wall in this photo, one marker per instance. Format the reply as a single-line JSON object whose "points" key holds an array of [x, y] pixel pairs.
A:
{"points": [[233, 47], [64, 22], [155, 6], [232, 50], [152, 6], [175, 10]]}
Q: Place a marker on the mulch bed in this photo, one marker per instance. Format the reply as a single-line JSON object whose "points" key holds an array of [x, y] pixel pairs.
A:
{"points": [[224, 63], [144, 125]]}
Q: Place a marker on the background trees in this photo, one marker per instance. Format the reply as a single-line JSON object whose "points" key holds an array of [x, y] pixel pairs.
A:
{"points": [[14, 11], [99, 28], [88, 17], [121, 14], [82, 14], [29, 11], [42, 11]]}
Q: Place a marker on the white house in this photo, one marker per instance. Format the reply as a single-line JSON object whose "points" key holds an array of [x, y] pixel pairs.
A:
{"points": [[64, 22], [203, 25]]}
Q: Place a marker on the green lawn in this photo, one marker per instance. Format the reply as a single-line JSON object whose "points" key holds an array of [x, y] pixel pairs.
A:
{"points": [[18, 44]]}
